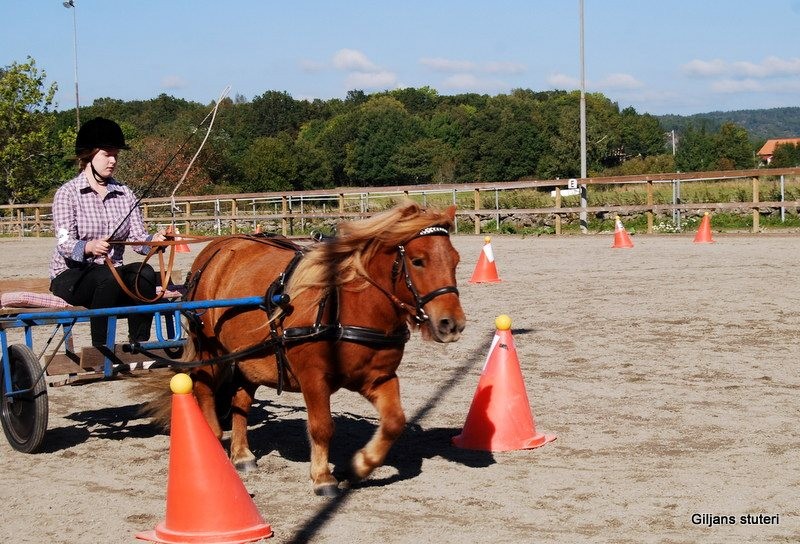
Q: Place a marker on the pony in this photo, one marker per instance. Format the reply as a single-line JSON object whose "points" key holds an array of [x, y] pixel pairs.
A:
{"points": [[337, 315]]}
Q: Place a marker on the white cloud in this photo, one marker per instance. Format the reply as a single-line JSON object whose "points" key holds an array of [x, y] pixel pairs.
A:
{"points": [[618, 81], [439, 64], [311, 66], [173, 82], [563, 81], [352, 60], [704, 68], [769, 67], [371, 80], [732, 86], [473, 83]]}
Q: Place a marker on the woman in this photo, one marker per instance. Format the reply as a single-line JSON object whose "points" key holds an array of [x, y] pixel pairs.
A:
{"points": [[90, 213]]}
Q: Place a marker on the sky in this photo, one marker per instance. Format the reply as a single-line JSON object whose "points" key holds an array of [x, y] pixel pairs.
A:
{"points": [[659, 57]]}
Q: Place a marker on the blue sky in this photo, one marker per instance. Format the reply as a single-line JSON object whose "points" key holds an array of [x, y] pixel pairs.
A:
{"points": [[661, 57]]}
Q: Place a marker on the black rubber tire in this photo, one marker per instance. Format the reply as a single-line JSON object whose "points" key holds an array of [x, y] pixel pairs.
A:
{"points": [[24, 417]]}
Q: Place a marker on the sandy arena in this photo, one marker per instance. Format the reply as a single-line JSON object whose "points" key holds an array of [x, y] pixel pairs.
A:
{"points": [[667, 371]]}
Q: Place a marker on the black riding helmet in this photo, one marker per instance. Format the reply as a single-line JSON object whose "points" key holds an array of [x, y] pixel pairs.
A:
{"points": [[99, 133]]}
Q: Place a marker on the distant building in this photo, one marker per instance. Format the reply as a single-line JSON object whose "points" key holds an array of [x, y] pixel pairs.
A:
{"points": [[768, 149]]}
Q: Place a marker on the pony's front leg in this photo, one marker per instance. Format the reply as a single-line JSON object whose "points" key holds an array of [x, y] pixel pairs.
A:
{"points": [[386, 399], [241, 456], [320, 433]]}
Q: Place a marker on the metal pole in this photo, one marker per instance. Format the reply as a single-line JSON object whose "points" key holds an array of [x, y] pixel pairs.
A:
{"points": [[71, 4], [584, 192], [783, 196]]}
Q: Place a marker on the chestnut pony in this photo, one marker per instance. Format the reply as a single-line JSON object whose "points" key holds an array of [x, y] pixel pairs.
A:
{"points": [[340, 321]]}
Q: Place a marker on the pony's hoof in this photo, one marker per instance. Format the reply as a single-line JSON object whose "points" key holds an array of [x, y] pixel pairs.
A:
{"points": [[326, 490], [246, 466]]}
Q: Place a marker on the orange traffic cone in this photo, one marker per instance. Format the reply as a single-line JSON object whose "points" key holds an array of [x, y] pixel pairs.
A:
{"points": [[486, 269], [258, 229], [621, 237], [172, 232], [703, 235], [206, 500], [500, 418]]}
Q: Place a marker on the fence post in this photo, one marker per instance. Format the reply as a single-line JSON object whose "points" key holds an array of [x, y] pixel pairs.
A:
{"points": [[755, 207], [477, 207], [341, 206], [188, 215], [234, 213], [284, 221], [21, 219], [38, 225], [650, 203], [558, 214]]}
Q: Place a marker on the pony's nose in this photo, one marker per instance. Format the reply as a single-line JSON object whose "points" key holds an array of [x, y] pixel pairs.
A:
{"points": [[449, 328]]}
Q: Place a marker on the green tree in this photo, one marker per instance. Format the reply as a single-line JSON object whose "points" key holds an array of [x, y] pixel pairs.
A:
{"points": [[695, 150], [26, 150], [732, 148], [786, 156], [270, 165], [383, 127]]}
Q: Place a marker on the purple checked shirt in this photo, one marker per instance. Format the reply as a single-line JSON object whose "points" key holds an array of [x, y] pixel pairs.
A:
{"points": [[80, 215]]}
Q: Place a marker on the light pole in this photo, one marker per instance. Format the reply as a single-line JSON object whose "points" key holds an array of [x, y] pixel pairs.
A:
{"points": [[71, 4], [584, 222]]}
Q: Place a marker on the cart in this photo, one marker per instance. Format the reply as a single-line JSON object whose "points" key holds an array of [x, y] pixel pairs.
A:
{"points": [[26, 376]]}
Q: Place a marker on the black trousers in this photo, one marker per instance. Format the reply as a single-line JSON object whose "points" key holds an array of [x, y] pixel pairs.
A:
{"points": [[95, 287]]}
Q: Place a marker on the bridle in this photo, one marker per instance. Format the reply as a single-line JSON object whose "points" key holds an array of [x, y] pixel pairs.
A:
{"points": [[400, 266]]}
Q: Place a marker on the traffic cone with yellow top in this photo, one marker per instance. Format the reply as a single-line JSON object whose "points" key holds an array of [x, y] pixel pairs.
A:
{"points": [[172, 233], [500, 417], [703, 235], [206, 500], [621, 237], [486, 269]]}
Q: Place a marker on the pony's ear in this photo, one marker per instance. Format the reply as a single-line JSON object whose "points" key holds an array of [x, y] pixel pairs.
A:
{"points": [[451, 212]]}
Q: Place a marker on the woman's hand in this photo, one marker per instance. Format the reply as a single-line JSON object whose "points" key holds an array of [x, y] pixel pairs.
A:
{"points": [[97, 248], [159, 236]]}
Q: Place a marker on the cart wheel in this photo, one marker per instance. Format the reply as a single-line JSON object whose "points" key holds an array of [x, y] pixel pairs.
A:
{"points": [[24, 417]]}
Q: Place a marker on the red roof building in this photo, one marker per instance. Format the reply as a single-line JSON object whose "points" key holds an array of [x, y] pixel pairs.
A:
{"points": [[768, 149]]}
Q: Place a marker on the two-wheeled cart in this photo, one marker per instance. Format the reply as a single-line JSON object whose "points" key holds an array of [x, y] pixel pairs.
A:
{"points": [[26, 375]]}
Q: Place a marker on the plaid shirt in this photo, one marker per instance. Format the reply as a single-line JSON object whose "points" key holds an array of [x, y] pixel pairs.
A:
{"points": [[81, 215]]}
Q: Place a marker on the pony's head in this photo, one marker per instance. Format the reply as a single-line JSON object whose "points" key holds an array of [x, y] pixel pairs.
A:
{"points": [[421, 280]]}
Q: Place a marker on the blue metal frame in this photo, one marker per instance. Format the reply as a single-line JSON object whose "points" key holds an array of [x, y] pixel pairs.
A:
{"points": [[166, 314]]}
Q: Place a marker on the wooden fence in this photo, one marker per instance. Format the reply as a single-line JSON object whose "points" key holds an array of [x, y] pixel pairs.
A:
{"points": [[479, 205]]}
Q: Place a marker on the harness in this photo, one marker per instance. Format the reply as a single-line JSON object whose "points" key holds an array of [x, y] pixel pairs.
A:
{"points": [[275, 299]]}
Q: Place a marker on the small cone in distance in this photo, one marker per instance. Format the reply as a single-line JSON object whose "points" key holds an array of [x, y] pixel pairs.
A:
{"points": [[172, 232], [703, 235], [206, 500], [486, 269], [500, 417], [621, 237], [258, 229]]}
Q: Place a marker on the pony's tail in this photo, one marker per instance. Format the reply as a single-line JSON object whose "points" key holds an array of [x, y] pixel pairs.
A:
{"points": [[156, 387]]}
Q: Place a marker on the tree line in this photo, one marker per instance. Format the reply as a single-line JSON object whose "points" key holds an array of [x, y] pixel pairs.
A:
{"points": [[274, 142]]}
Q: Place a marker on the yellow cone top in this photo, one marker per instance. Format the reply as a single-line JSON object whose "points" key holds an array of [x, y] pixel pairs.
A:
{"points": [[705, 213], [487, 239], [181, 384], [502, 322], [616, 217]]}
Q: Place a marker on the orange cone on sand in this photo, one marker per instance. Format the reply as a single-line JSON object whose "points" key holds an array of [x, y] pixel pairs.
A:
{"points": [[206, 500], [486, 269], [258, 229], [703, 235], [172, 232], [500, 417], [621, 237]]}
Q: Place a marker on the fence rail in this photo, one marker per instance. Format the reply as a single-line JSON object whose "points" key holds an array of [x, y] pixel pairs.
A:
{"points": [[299, 211]]}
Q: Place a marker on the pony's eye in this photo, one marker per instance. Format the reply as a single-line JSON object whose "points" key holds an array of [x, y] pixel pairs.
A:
{"points": [[418, 262]]}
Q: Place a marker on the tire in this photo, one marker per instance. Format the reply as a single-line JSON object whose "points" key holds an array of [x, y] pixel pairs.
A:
{"points": [[24, 417]]}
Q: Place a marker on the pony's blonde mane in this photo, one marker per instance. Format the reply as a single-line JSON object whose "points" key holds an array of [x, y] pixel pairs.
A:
{"points": [[342, 259]]}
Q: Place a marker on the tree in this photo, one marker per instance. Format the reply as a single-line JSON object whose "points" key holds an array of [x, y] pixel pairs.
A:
{"points": [[696, 150], [732, 148], [786, 156], [270, 165], [25, 127]]}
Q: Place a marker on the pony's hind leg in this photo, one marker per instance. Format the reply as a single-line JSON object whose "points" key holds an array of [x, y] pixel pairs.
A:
{"points": [[386, 399], [241, 456]]}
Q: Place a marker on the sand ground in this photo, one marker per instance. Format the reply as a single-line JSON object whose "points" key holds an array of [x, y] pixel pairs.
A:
{"points": [[667, 371]]}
